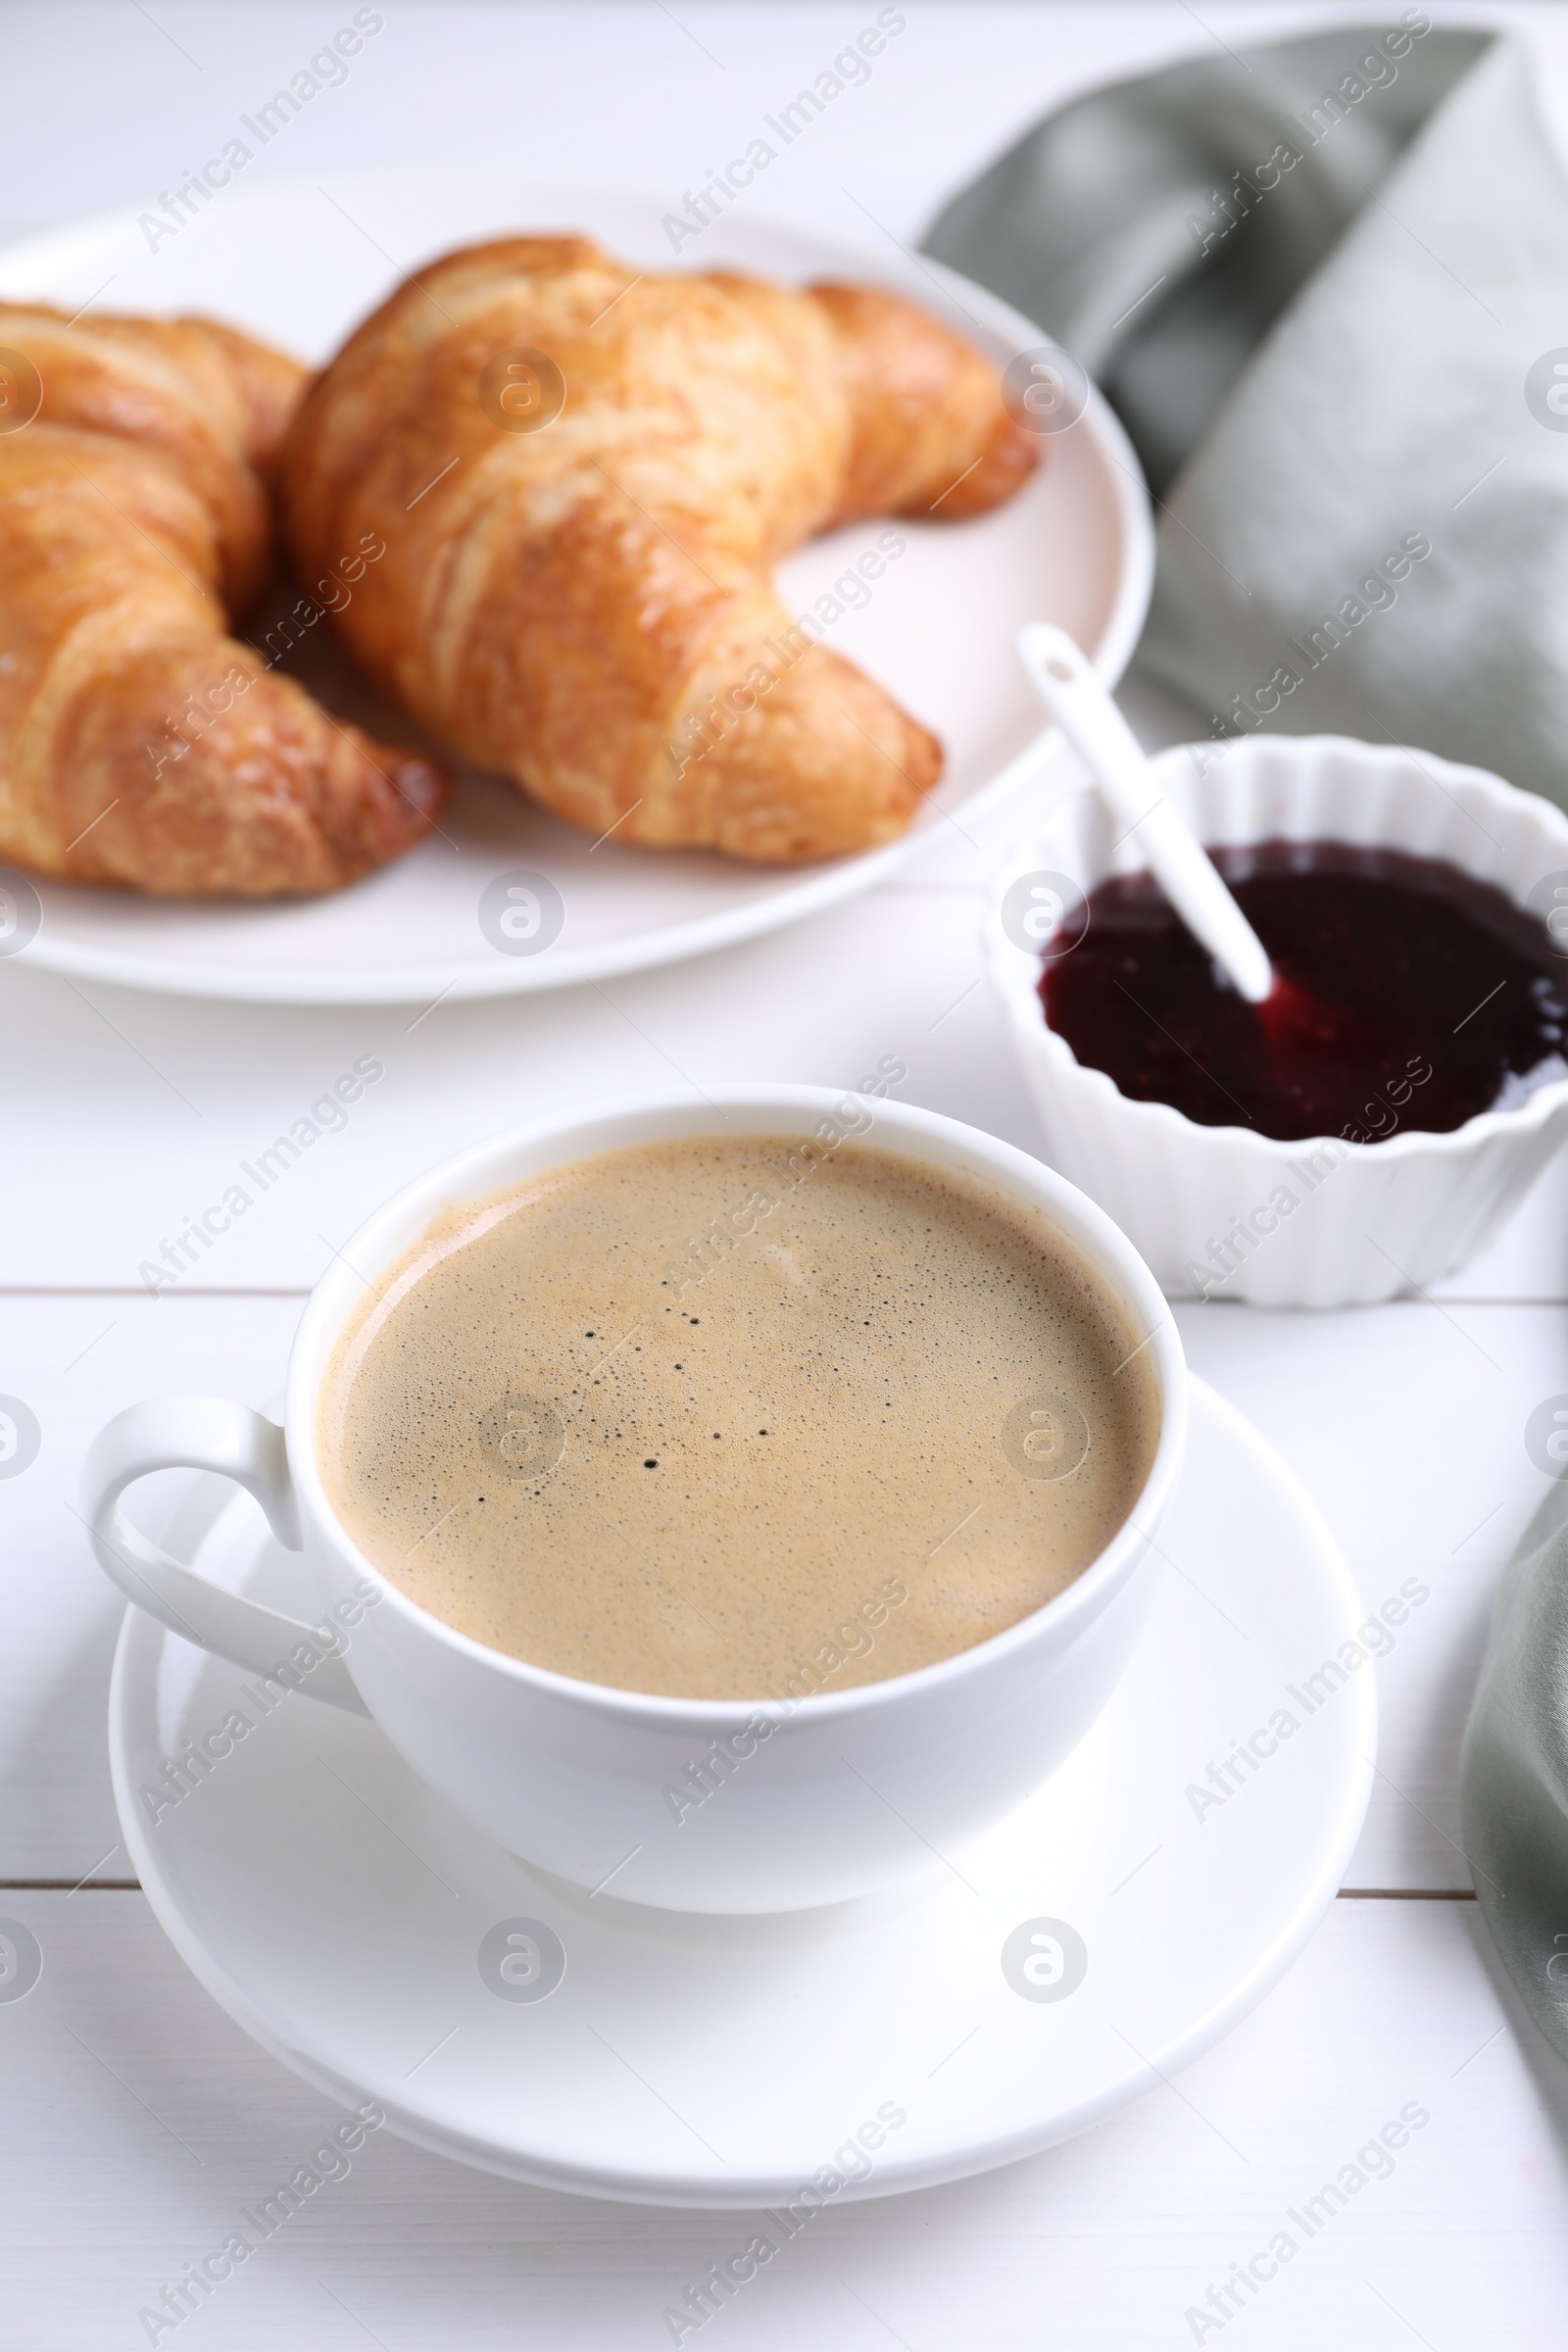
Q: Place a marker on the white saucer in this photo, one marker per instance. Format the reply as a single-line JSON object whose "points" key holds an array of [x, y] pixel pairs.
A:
{"points": [[300, 261], [338, 1910]]}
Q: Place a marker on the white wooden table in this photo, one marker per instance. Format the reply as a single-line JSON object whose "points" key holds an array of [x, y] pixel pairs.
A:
{"points": [[135, 2116]]}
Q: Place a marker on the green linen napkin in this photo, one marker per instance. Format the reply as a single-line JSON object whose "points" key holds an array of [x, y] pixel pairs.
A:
{"points": [[1513, 1772], [1325, 283]]}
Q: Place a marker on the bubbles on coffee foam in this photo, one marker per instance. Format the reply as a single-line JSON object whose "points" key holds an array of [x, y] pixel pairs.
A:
{"points": [[1045, 1437], [521, 1438]]}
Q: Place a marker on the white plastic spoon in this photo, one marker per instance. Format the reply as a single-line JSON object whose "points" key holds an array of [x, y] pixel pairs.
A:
{"points": [[1084, 710]]}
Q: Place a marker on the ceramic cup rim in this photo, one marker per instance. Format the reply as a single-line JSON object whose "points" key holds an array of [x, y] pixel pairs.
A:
{"points": [[384, 1235], [1015, 976]]}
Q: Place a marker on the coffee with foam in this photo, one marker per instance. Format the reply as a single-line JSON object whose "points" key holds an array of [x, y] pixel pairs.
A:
{"points": [[730, 1418]]}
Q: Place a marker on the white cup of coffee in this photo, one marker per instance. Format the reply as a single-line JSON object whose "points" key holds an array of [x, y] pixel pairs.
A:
{"points": [[807, 1788]]}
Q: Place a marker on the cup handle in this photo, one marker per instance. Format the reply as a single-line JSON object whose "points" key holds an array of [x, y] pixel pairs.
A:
{"points": [[205, 1433]]}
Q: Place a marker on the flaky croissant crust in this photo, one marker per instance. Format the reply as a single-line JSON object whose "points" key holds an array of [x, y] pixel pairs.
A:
{"points": [[140, 744], [588, 605]]}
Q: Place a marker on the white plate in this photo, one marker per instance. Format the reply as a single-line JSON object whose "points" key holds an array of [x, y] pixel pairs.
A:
{"points": [[338, 1909], [300, 263]]}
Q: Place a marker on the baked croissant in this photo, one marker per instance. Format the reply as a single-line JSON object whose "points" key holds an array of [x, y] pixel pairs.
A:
{"points": [[139, 742], [583, 478]]}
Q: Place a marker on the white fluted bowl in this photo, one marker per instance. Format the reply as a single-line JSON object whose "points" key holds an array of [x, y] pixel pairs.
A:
{"points": [[1366, 1221]]}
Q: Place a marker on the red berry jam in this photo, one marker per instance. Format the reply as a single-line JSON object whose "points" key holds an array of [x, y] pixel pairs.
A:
{"points": [[1410, 995]]}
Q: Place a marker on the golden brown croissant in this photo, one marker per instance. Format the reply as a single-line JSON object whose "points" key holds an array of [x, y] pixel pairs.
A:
{"points": [[139, 742], [583, 478]]}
